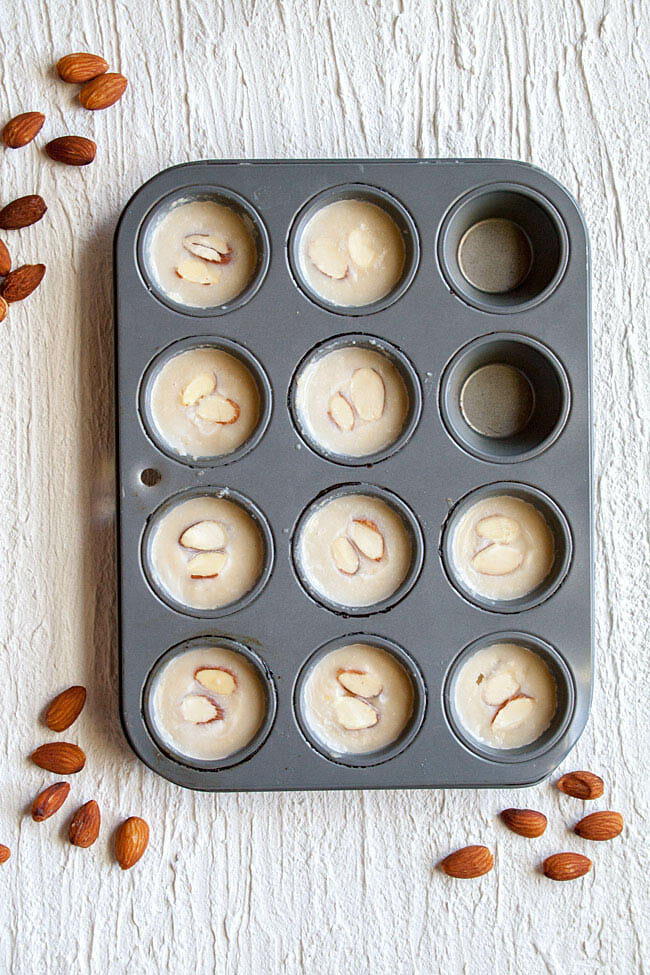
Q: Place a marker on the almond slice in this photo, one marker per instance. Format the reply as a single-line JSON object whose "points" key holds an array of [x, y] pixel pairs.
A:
{"points": [[498, 528], [367, 393], [202, 385], [208, 247], [368, 539], [513, 712], [340, 411], [196, 272], [358, 682], [218, 409], [206, 536], [216, 679], [207, 565], [499, 687], [353, 714], [344, 555], [360, 246], [325, 255], [199, 709], [497, 560]]}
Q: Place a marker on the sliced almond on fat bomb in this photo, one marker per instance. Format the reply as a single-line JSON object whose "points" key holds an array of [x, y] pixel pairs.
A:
{"points": [[204, 536], [209, 247], [368, 539], [324, 253], [361, 247], [367, 393], [199, 709], [345, 556], [218, 409], [499, 687], [358, 682], [196, 272], [340, 411], [207, 565], [202, 385], [216, 679], [498, 528], [354, 714], [497, 560], [513, 712]]}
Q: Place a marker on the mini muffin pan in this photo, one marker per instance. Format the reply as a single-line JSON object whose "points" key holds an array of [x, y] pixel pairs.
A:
{"points": [[473, 429]]}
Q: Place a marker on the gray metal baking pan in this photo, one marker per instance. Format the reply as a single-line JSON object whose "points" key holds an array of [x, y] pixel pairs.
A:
{"points": [[441, 328]]}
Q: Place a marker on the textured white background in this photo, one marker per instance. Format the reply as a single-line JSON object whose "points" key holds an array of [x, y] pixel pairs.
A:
{"points": [[327, 883]]}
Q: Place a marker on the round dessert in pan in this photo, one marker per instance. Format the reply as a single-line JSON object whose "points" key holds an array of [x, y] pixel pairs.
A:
{"points": [[207, 703], [505, 696], [357, 699], [351, 253]]}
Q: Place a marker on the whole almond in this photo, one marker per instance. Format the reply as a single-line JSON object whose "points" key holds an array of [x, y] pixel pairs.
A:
{"points": [[84, 828], [65, 708], [131, 841], [603, 825], [80, 67], [61, 757], [22, 212], [20, 130], [49, 801], [566, 866], [525, 822], [20, 282], [73, 150], [4, 307], [5, 853], [581, 785], [103, 92], [469, 862], [5, 259]]}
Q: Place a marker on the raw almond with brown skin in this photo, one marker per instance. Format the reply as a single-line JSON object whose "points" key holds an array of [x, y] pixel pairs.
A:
{"points": [[49, 801], [525, 822], [22, 212], [5, 853], [20, 282], [80, 67], [102, 92], [73, 150], [20, 131], [4, 307], [566, 866], [581, 785], [65, 708], [84, 827], [603, 825], [467, 863], [5, 259], [61, 757], [131, 840]]}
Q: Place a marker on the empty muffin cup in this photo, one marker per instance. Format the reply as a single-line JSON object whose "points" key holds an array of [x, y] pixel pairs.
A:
{"points": [[207, 552], [506, 547], [205, 401], [355, 399], [503, 248], [353, 249], [505, 688], [359, 700], [357, 549], [209, 702], [504, 397], [203, 250]]}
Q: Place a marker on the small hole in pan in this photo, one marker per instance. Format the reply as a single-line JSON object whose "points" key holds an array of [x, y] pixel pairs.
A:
{"points": [[150, 477]]}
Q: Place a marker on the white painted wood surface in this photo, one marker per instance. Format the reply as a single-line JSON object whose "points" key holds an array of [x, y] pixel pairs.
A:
{"points": [[327, 883]]}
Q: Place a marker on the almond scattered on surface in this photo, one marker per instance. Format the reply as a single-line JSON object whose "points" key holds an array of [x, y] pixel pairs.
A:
{"points": [[131, 840], [84, 827], [566, 866], [61, 757], [103, 91], [80, 67], [581, 785], [4, 307], [22, 212], [5, 853], [20, 130], [525, 822], [468, 862], [20, 282], [73, 150], [5, 259], [604, 825], [65, 708], [49, 801]]}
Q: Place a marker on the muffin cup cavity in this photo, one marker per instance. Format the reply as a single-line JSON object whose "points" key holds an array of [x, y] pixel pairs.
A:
{"points": [[564, 712], [154, 369], [413, 725], [406, 371], [504, 398], [227, 494], [199, 193], [556, 521], [370, 194], [413, 529], [265, 678], [503, 248]]}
